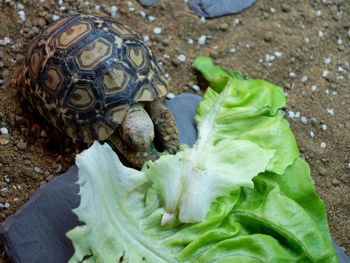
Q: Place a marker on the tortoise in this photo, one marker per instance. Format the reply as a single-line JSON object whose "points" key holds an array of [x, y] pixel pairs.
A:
{"points": [[93, 78]]}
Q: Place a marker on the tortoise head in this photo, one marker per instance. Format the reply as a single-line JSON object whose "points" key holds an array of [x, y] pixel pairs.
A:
{"points": [[137, 129]]}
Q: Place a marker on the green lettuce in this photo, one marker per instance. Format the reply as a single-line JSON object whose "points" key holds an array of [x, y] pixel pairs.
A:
{"points": [[240, 194]]}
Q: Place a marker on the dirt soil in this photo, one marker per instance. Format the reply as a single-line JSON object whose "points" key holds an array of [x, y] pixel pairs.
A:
{"points": [[303, 46]]}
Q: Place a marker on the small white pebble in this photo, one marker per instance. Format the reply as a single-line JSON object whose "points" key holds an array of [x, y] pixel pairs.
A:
{"points": [[327, 60], [196, 88], [131, 9], [269, 57], [334, 92], [22, 15], [292, 75], [15, 199], [311, 134], [19, 187], [142, 14], [4, 130], [7, 180], [157, 30], [324, 127], [323, 145], [237, 21], [325, 73], [55, 18], [348, 165], [232, 50], [145, 38], [167, 76], [304, 79], [14, 187], [297, 114], [313, 88], [190, 41], [247, 46], [291, 114], [62, 8], [201, 40], [203, 20], [278, 54], [166, 56], [320, 33], [330, 112], [37, 169], [7, 205], [170, 96], [60, 2], [4, 190], [1, 204], [349, 32], [114, 10], [307, 40], [151, 18], [340, 42], [327, 91], [181, 58], [98, 8], [261, 60], [303, 119], [272, 10], [318, 13], [340, 69], [160, 63], [86, 3], [20, 7]]}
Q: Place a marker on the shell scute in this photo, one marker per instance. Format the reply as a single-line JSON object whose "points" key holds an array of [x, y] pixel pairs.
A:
{"points": [[83, 73]]}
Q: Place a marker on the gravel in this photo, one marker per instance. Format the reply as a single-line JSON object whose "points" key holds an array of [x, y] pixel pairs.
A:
{"points": [[196, 88], [170, 96], [55, 18], [181, 58], [157, 30], [201, 40], [4, 130], [292, 75]]}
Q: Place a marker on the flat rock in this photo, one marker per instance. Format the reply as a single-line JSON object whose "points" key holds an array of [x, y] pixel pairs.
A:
{"points": [[36, 232], [183, 108], [147, 2], [214, 8]]}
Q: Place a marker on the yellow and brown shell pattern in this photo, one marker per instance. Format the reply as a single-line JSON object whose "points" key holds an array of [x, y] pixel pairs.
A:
{"points": [[83, 72]]}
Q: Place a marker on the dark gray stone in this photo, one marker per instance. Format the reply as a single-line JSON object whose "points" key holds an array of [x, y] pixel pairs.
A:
{"points": [[36, 232], [214, 8], [183, 108], [147, 2]]}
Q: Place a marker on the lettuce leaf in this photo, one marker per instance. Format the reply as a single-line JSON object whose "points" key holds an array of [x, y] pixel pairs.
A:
{"points": [[241, 194], [259, 224]]}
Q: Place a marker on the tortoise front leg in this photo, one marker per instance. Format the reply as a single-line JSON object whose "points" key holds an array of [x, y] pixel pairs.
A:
{"points": [[165, 126]]}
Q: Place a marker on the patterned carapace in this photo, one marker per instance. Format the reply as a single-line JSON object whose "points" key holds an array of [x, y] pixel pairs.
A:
{"points": [[83, 72]]}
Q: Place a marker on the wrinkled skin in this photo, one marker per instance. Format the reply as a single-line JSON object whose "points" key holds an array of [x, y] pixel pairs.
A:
{"points": [[140, 125]]}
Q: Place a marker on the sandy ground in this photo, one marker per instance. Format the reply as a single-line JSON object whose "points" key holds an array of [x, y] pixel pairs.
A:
{"points": [[302, 46]]}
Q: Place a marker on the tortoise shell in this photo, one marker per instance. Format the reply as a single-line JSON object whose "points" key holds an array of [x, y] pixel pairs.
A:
{"points": [[83, 72]]}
